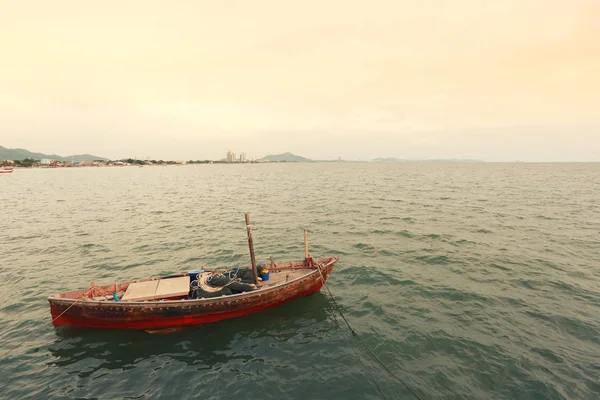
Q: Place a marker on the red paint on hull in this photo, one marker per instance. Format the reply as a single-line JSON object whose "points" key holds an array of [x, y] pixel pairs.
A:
{"points": [[154, 316], [167, 322]]}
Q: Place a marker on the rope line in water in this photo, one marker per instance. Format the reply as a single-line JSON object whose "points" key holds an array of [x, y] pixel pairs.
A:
{"points": [[375, 357], [373, 381]]}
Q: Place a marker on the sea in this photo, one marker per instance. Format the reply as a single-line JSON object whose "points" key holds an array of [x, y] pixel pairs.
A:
{"points": [[465, 280]]}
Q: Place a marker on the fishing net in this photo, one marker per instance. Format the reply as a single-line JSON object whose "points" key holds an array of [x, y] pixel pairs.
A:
{"points": [[215, 285]]}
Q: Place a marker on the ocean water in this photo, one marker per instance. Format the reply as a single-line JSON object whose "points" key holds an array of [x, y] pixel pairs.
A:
{"points": [[469, 281]]}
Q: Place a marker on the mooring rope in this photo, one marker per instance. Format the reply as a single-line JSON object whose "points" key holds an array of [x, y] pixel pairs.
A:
{"points": [[354, 333], [373, 381]]}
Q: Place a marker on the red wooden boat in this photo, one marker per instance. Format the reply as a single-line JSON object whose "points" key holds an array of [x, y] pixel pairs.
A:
{"points": [[101, 307], [6, 170]]}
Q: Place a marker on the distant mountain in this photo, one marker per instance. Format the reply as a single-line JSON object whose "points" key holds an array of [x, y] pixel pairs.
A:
{"points": [[387, 159], [82, 157], [286, 157], [392, 159], [21, 154]]}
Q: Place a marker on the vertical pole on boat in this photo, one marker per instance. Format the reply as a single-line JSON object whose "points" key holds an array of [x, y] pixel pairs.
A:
{"points": [[251, 246], [305, 244]]}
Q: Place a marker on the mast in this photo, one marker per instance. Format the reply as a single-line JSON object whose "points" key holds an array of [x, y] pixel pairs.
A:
{"points": [[305, 244], [251, 246], [307, 257]]}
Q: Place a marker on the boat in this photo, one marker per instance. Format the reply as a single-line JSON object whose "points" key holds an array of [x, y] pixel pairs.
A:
{"points": [[169, 302], [6, 170]]}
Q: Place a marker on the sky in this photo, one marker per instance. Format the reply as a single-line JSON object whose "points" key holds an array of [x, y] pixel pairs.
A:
{"points": [[496, 80]]}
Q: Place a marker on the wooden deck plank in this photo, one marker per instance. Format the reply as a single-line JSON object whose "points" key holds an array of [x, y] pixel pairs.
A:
{"points": [[172, 287], [140, 291]]}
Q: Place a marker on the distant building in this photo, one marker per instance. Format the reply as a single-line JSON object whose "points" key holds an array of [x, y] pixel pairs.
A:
{"points": [[46, 161], [242, 157], [230, 156]]}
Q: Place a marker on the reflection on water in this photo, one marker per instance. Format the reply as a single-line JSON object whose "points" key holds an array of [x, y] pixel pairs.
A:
{"points": [[299, 321]]}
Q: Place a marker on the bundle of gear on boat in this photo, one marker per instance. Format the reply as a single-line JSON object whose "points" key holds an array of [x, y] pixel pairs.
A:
{"points": [[237, 280]]}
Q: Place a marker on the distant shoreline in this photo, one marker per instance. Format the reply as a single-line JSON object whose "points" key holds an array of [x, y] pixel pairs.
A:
{"points": [[179, 164]]}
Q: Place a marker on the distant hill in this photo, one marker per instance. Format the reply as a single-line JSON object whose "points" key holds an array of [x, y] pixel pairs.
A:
{"points": [[21, 154], [387, 159], [287, 157], [392, 159]]}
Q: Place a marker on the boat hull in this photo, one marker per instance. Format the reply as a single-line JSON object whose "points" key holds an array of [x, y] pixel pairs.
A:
{"points": [[168, 314]]}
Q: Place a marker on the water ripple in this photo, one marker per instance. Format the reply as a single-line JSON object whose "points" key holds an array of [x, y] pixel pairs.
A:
{"points": [[471, 281]]}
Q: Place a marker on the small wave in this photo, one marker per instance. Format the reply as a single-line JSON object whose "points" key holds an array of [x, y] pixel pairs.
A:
{"points": [[388, 253], [436, 260], [500, 267], [575, 327], [30, 237], [463, 242], [547, 354], [364, 247], [373, 276], [405, 234], [548, 264], [453, 294], [381, 232], [546, 217]]}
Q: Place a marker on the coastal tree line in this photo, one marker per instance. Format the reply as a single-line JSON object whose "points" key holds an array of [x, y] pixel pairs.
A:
{"points": [[27, 162], [30, 162]]}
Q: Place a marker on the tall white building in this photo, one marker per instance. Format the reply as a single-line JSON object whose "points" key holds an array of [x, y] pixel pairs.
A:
{"points": [[242, 157], [230, 156]]}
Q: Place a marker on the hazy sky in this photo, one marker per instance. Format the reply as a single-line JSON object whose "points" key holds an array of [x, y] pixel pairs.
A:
{"points": [[487, 79]]}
